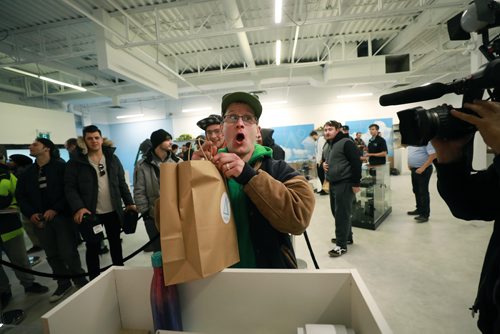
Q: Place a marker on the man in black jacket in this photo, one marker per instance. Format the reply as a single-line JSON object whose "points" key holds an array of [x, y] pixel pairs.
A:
{"points": [[95, 187], [343, 171], [40, 195], [473, 196]]}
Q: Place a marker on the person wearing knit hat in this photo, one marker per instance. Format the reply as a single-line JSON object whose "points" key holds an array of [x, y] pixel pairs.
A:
{"points": [[159, 136], [212, 125], [147, 182]]}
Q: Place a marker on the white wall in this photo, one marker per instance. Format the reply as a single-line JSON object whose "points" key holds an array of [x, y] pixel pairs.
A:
{"points": [[19, 124]]}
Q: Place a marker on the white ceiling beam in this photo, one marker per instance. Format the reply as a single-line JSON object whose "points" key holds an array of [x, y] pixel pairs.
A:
{"points": [[428, 19], [233, 13]]}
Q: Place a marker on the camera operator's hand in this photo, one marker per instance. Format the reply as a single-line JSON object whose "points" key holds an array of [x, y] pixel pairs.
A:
{"points": [[449, 150], [487, 122]]}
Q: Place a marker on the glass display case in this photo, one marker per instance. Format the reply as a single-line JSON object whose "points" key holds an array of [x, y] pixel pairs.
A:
{"points": [[373, 202]]}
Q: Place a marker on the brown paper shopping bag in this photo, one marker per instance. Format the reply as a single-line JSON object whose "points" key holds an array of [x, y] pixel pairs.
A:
{"points": [[197, 229]]}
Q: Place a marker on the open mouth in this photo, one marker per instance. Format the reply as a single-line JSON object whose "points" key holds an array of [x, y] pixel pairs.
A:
{"points": [[240, 137]]}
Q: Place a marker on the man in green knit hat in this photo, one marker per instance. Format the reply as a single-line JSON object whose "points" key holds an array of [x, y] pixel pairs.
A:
{"points": [[270, 200]]}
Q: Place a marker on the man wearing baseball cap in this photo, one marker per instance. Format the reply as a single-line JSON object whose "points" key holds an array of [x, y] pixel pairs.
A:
{"points": [[269, 198], [212, 125], [147, 181]]}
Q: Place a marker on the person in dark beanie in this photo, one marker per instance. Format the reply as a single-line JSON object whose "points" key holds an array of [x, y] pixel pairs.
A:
{"points": [[147, 181], [40, 194], [95, 187]]}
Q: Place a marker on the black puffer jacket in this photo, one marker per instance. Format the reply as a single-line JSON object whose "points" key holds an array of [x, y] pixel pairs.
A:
{"points": [[80, 182]]}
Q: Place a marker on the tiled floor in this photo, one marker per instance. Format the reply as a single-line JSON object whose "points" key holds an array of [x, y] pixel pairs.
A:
{"points": [[422, 276]]}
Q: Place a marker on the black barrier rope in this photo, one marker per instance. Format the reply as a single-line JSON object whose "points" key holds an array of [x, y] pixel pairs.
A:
{"points": [[311, 250], [42, 274]]}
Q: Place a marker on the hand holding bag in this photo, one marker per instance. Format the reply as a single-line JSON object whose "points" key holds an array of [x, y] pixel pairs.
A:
{"points": [[197, 229]]}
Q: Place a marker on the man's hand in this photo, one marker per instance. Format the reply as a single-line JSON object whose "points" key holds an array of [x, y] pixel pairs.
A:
{"points": [[49, 215], [35, 218], [131, 207], [229, 164], [356, 189], [78, 216], [207, 152], [325, 166]]}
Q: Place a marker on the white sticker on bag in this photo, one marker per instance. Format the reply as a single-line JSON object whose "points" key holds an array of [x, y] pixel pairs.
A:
{"points": [[225, 208], [98, 229]]}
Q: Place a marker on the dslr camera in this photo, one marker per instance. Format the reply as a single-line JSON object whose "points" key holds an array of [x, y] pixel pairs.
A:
{"points": [[418, 125]]}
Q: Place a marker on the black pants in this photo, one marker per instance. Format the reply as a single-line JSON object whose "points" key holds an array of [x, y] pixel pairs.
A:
{"points": [[420, 183], [341, 198], [112, 226], [152, 231], [321, 173]]}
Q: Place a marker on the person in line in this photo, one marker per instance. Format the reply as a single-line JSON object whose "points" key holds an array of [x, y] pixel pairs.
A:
{"points": [[377, 147], [270, 199], [71, 145], [147, 182], [73, 149], [345, 130], [95, 185], [19, 163], [360, 143], [40, 194], [268, 140], [420, 160], [12, 238], [212, 125], [475, 196], [343, 171], [320, 144]]}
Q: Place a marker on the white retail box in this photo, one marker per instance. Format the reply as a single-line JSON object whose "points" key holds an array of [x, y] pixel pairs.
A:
{"points": [[233, 301]]}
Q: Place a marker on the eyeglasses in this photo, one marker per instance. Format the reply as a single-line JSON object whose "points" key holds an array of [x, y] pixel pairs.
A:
{"points": [[247, 119], [102, 172]]}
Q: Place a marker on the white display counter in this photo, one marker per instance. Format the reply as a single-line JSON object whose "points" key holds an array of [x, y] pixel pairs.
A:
{"points": [[233, 301]]}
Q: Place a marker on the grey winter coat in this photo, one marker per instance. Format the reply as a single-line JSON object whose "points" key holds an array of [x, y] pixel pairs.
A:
{"points": [[147, 183]]}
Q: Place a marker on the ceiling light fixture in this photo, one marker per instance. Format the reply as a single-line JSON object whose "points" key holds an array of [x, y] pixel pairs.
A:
{"points": [[350, 96], [129, 116], [278, 4], [278, 52], [41, 77], [197, 109]]}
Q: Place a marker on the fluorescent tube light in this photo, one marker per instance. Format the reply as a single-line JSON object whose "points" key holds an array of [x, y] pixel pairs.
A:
{"points": [[278, 4], [57, 82], [197, 109], [354, 95], [278, 52], [20, 72], [129, 116]]}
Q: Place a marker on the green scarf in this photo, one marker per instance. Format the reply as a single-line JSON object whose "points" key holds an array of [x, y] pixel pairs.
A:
{"points": [[239, 204]]}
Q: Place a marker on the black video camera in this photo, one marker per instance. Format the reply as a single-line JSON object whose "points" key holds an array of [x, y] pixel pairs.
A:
{"points": [[418, 125]]}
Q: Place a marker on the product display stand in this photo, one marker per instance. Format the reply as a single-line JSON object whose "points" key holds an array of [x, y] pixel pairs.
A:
{"points": [[373, 203]]}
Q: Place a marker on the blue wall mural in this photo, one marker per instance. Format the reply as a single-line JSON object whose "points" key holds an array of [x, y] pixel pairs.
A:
{"points": [[295, 141]]}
